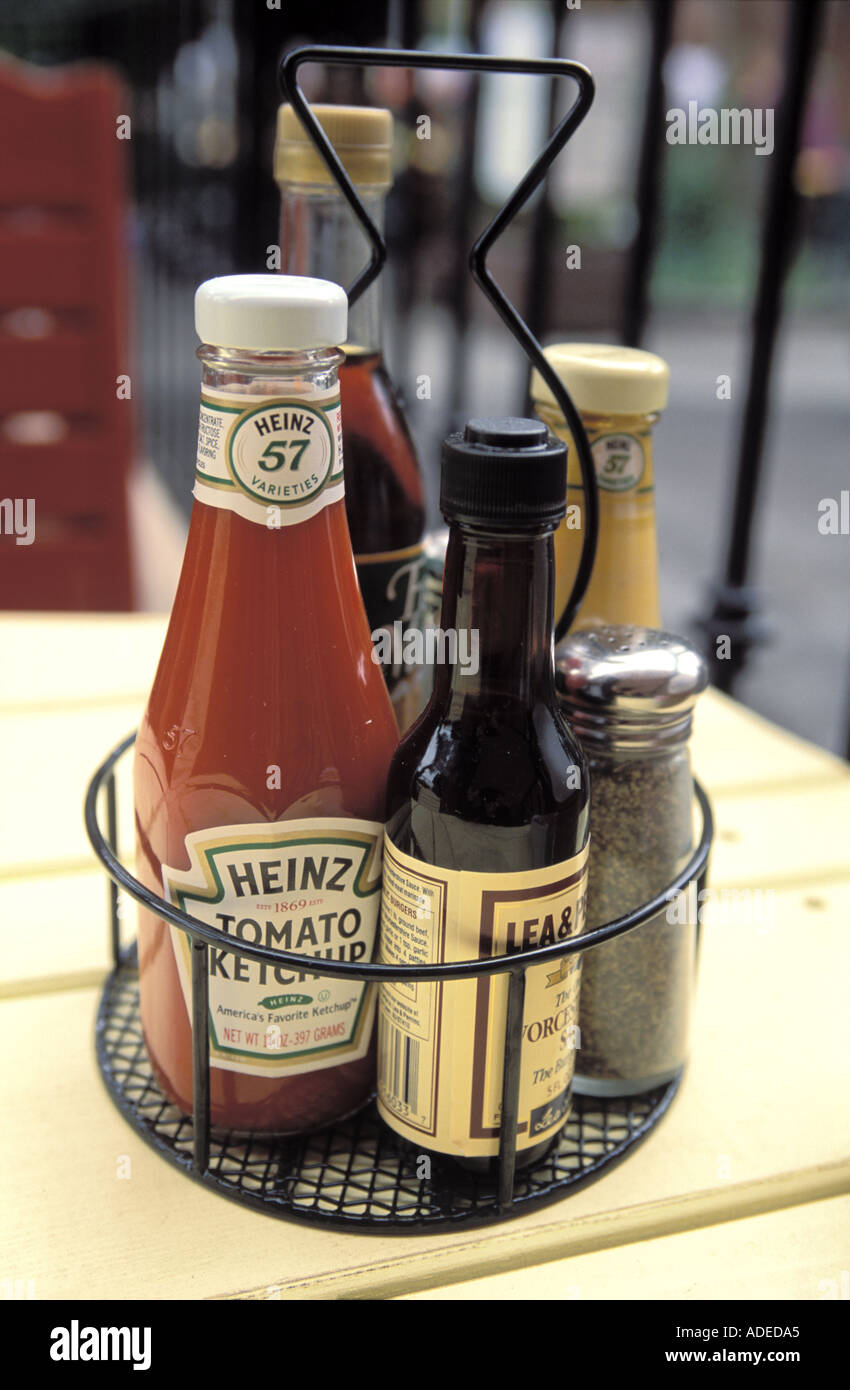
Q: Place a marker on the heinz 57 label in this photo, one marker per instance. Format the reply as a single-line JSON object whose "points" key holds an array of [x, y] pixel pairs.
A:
{"points": [[274, 461]]}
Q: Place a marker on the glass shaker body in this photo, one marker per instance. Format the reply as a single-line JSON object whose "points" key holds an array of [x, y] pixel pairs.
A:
{"points": [[629, 693], [637, 990]]}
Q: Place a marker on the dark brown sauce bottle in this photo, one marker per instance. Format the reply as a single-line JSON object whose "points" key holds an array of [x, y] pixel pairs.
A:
{"points": [[386, 513], [489, 780], [384, 501], [384, 496]]}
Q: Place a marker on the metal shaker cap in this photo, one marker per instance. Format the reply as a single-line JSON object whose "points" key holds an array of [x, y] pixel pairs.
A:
{"points": [[631, 688]]}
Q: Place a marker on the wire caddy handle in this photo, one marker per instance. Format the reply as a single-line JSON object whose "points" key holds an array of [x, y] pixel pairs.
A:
{"points": [[528, 184], [200, 935]]}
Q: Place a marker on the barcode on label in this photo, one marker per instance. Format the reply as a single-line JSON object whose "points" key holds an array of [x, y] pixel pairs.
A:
{"points": [[399, 1065]]}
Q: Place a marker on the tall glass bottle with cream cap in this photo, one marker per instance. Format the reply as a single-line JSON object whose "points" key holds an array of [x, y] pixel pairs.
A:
{"points": [[384, 497], [618, 392], [262, 757]]}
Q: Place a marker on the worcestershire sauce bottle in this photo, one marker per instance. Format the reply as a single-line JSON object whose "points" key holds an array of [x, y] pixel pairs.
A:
{"points": [[485, 848]]}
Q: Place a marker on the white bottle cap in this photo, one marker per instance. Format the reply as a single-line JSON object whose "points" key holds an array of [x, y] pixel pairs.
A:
{"points": [[271, 313]]}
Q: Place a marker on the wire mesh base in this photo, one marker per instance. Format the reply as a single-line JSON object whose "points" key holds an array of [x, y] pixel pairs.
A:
{"points": [[355, 1174]]}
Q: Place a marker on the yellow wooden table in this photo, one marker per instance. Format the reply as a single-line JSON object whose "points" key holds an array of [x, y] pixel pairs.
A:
{"points": [[738, 1193]]}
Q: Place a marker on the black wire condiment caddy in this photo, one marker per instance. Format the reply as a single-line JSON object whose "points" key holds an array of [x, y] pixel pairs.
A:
{"points": [[357, 1173]]}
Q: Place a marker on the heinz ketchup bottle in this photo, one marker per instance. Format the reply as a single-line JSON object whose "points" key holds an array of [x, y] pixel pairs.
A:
{"points": [[262, 757]]}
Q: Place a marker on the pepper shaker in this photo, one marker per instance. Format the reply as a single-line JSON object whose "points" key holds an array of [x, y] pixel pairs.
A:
{"points": [[629, 694]]}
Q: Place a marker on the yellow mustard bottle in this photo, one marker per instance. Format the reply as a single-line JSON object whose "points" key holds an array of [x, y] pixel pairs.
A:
{"points": [[618, 392]]}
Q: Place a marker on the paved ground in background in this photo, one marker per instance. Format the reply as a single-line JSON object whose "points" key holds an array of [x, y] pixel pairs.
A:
{"points": [[801, 679]]}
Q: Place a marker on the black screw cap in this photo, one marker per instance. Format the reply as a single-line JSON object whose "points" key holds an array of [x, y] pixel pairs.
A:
{"points": [[504, 472]]}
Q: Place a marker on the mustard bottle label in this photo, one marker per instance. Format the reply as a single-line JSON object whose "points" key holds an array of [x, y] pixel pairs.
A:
{"points": [[623, 587], [619, 461], [441, 1044], [310, 886], [275, 461]]}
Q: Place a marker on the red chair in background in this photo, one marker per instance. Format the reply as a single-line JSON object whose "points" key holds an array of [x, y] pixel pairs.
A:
{"points": [[65, 431]]}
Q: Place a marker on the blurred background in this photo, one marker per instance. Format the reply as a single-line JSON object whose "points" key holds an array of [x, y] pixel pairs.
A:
{"points": [[671, 242]]}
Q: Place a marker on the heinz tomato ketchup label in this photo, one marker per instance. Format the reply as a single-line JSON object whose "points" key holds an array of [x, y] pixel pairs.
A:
{"points": [[307, 886]]}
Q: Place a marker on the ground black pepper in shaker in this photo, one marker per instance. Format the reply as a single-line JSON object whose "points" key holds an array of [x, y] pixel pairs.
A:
{"points": [[629, 694]]}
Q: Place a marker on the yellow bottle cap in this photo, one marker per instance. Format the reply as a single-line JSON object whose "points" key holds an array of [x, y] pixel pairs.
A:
{"points": [[605, 380], [362, 137]]}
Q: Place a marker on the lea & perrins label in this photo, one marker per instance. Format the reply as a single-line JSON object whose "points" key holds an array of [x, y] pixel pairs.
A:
{"points": [[441, 1043]]}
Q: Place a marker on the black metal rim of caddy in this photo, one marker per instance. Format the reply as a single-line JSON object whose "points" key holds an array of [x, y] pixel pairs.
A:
{"points": [[356, 1174]]}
